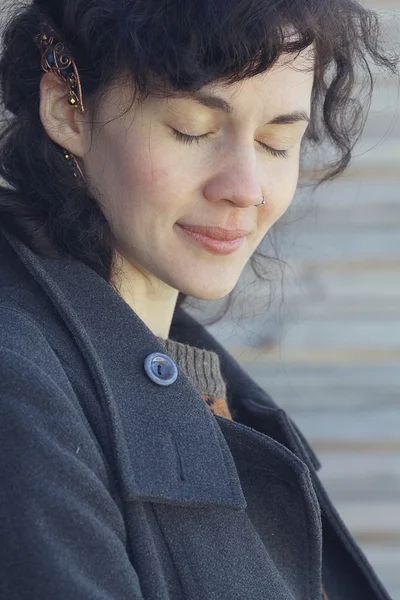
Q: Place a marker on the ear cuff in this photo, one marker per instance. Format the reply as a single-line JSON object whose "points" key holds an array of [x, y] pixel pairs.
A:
{"points": [[56, 58]]}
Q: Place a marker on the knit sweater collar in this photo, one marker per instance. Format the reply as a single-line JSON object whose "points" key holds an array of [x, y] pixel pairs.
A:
{"points": [[201, 366]]}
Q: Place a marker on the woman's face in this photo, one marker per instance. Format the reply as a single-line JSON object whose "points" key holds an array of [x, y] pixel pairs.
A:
{"points": [[150, 183]]}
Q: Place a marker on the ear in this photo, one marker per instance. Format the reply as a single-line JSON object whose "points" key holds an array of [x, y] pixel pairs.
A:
{"points": [[64, 123]]}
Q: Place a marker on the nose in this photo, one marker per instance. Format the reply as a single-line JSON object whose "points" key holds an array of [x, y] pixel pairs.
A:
{"points": [[238, 182]]}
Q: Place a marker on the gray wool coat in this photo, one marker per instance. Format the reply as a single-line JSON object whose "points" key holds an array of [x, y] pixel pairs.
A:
{"points": [[116, 488]]}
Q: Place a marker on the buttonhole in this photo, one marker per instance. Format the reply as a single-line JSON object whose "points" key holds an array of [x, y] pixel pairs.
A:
{"points": [[179, 460]]}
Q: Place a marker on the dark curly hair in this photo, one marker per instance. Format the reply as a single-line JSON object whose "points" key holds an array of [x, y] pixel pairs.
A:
{"points": [[165, 46]]}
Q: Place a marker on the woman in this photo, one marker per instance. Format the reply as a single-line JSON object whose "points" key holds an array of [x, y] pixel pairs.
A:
{"points": [[149, 149]]}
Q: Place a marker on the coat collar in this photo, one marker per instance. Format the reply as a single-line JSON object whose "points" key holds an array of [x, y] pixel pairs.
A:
{"points": [[155, 429], [248, 402]]}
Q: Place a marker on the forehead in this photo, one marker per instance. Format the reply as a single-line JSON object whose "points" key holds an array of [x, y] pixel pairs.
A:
{"points": [[288, 82], [284, 88]]}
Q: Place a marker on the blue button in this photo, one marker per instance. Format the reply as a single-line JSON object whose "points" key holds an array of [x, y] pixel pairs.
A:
{"points": [[160, 368]]}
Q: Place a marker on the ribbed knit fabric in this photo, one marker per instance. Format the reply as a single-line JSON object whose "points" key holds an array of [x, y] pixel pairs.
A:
{"points": [[203, 369]]}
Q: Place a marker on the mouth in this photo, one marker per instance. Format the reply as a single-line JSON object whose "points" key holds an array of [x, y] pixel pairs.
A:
{"points": [[217, 233], [214, 239]]}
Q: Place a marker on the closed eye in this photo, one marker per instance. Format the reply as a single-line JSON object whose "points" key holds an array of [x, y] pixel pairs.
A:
{"points": [[189, 139]]}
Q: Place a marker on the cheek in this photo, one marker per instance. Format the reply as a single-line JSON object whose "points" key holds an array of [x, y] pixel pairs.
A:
{"points": [[136, 169], [149, 173]]}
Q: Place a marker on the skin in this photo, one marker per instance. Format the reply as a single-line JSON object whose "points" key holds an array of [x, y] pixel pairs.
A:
{"points": [[147, 181]]}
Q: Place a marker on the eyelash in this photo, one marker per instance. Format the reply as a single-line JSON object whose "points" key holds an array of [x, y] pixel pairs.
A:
{"points": [[188, 139]]}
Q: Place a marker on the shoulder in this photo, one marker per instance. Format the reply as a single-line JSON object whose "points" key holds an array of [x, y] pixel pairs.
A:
{"points": [[28, 363], [23, 342], [38, 402], [57, 492]]}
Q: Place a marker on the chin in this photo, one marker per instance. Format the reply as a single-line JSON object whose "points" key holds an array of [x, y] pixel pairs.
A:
{"points": [[203, 291], [207, 283]]}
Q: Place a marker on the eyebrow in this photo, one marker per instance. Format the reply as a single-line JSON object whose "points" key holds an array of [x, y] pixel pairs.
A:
{"points": [[218, 103]]}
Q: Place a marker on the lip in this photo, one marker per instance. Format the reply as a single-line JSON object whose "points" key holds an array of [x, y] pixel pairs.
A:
{"points": [[232, 239], [216, 233]]}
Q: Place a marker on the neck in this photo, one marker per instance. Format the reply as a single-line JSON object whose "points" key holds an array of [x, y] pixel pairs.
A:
{"points": [[152, 300]]}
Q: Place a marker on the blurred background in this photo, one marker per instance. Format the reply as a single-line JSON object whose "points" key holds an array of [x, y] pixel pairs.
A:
{"points": [[325, 342]]}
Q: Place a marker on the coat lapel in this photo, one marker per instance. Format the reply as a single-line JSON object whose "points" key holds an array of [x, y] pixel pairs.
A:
{"points": [[165, 430], [248, 402], [169, 430]]}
